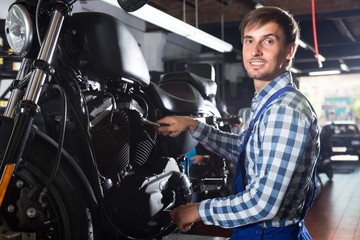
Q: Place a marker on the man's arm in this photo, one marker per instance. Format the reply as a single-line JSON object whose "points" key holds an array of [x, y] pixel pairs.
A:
{"points": [[176, 124], [224, 144], [185, 216], [283, 134]]}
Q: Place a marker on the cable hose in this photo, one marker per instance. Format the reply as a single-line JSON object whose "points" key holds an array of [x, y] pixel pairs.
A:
{"points": [[60, 143], [61, 134]]}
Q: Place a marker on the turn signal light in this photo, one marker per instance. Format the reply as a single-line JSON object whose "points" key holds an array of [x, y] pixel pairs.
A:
{"points": [[5, 179]]}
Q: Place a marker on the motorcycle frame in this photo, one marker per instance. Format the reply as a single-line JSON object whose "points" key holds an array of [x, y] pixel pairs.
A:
{"points": [[23, 106], [23, 113]]}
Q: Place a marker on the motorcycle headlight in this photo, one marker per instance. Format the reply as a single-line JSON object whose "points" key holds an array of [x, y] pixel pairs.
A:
{"points": [[19, 29]]}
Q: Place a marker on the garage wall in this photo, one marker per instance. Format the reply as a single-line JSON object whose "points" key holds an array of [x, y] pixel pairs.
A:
{"points": [[321, 89]]}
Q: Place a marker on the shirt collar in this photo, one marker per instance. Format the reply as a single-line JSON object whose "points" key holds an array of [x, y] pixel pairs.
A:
{"points": [[281, 81]]}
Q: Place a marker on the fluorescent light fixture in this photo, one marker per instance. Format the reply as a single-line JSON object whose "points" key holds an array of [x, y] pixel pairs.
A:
{"points": [[344, 158], [294, 70], [319, 73], [258, 5], [302, 44], [163, 20], [343, 66], [321, 58]]}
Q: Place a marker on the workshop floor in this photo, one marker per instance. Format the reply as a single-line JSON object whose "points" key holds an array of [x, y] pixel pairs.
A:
{"points": [[336, 213]]}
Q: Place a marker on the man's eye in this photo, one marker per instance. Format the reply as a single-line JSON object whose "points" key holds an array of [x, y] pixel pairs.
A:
{"points": [[248, 41], [269, 41]]}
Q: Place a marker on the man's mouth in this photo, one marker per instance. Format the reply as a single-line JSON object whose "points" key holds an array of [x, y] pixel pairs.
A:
{"points": [[257, 63]]}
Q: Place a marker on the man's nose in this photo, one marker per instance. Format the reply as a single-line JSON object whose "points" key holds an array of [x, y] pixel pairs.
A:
{"points": [[256, 49]]}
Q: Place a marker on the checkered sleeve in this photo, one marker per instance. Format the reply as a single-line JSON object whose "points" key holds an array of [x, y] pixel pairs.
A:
{"points": [[224, 144], [279, 140]]}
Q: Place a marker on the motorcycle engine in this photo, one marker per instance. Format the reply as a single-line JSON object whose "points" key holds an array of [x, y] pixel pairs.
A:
{"points": [[138, 204], [139, 207], [121, 139]]}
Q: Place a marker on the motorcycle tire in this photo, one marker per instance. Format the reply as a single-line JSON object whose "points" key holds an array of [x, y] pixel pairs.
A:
{"points": [[65, 214]]}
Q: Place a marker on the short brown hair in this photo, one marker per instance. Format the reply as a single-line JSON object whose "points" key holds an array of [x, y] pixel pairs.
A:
{"points": [[264, 15], [261, 16]]}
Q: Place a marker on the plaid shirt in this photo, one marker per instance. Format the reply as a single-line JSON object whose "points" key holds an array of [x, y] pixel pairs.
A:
{"points": [[280, 157]]}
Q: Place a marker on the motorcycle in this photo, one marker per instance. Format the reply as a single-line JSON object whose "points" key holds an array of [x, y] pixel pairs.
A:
{"points": [[80, 154]]}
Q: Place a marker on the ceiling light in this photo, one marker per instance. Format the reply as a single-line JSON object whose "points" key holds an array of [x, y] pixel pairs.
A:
{"points": [[343, 66], [321, 58], [329, 72], [301, 43], [294, 70], [163, 20]]}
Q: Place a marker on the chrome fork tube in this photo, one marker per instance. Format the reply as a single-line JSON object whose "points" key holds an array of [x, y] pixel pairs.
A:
{"points": [[17, 94], [38, 76], [26, 110]]}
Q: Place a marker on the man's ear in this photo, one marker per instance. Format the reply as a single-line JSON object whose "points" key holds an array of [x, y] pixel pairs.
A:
{"points": [[291, 48]]}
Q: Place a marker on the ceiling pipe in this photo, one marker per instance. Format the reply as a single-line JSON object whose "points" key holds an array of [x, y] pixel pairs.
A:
{"points": [[344, 30]]}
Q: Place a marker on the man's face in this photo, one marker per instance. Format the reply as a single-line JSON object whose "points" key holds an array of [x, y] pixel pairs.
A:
{"points": [[265, 54]]}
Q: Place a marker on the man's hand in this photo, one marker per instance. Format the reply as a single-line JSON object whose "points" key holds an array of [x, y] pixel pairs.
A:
{"points": [[185, 216], [176, 125], [199, 159]]}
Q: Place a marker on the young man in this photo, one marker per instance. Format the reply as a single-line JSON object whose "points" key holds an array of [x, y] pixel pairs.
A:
{"points": [[272, 187]]}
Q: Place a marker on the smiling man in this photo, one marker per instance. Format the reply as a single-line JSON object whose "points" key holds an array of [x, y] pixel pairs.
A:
{"points": [[276, 155], [267, 51]]}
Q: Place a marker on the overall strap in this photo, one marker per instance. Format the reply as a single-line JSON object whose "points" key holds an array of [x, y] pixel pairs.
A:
{"points": [[240, 174], [309, 200], [272, 98], [240, 181]]}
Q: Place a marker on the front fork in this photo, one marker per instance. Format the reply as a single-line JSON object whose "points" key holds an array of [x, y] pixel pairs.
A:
{"points": [[24, 113]]}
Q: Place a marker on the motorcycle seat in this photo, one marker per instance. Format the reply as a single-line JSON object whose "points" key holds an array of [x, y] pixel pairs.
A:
{"points": [[205, 86], [178, 97]]}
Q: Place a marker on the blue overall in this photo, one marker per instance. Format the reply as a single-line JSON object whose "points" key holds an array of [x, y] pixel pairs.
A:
{"points": [[253, 231]]}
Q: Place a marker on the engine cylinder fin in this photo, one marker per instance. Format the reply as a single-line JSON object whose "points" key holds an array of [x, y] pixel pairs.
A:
{"points": [[111, 140], [143, 140]]}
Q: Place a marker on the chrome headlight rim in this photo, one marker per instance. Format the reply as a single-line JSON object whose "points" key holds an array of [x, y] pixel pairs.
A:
{"points": [[20, 13]]}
